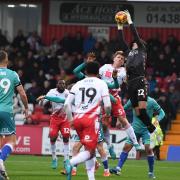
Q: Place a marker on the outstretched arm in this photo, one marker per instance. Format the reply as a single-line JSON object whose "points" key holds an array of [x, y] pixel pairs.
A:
{"points": [[50, 98], [122, 43], [137, 39], [77, 71]]}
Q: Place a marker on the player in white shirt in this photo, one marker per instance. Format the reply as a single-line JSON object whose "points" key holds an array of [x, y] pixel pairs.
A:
{"points": [[105, 73], [58, 121], [87, 96]]}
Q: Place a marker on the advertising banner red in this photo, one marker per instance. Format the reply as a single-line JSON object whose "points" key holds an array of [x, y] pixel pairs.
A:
{"points": [[29, 140]]}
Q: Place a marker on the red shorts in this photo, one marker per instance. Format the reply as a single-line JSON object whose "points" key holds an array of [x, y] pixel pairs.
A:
{"points": [[59, 124], [87, 128], [117, 108]]}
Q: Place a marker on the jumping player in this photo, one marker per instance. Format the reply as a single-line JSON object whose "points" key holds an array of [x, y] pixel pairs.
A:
{"points": [[106, 72], [135, 68]]}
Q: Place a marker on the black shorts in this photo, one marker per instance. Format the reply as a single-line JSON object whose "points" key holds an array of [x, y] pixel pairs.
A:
{"points": [[137, 90]]}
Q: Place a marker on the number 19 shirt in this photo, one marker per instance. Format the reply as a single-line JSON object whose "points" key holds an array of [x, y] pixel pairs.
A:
{"points": [[89, 93]]}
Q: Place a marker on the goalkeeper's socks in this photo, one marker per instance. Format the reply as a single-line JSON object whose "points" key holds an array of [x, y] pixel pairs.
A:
{"points": [[6, 151], [122, 159], [151, 163]]}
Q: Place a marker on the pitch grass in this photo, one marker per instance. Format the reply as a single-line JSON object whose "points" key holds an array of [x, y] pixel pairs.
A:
{"points": [[21, 167]]}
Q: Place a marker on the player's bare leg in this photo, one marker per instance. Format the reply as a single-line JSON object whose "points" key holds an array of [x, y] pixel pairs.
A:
{"points": [[129, 130]]}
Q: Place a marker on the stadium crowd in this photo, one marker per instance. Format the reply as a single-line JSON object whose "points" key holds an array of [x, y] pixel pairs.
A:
{"points": [[40, 66]]}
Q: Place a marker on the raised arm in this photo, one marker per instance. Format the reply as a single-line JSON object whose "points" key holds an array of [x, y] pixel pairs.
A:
{"points": [[137, 39], [122, 43], [112, 99], [113, 85], [77, 71]]}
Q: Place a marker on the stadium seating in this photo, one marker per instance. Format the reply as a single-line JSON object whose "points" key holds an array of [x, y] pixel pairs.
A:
{"points": [[172, 138]]}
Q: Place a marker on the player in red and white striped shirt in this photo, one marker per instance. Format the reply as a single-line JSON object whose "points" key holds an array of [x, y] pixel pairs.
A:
{"points": [[87, 95], [105, 73]]}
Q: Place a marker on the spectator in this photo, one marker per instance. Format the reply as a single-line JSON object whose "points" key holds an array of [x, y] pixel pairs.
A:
{"points": [[66, 43], [19, 40], [3, 40], [33, 92], [78, 43], [89, 43]]}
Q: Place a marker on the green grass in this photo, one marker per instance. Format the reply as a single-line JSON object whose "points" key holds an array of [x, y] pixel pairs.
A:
{"points": [[38, 168]]}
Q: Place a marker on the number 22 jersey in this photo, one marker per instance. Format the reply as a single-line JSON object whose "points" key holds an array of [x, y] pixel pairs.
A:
{"points": [[88, 95]]}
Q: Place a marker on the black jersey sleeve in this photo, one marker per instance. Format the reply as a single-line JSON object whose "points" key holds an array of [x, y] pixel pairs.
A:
{"points": [[122, 43], [137, 39]]}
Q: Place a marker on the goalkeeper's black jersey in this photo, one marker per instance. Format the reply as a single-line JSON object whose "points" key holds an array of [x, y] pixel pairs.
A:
{"points": [[135, 64], [136, 59]]}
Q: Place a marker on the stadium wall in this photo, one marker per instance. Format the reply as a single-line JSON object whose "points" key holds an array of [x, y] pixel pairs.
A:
{"points": [[35, 140], [57, 31]]}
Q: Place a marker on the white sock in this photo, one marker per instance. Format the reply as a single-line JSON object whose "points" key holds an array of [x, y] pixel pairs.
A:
{"points": [[53, 151], [66, 151], [2, 168], [90, 166], [79, 158], [130, 132]]}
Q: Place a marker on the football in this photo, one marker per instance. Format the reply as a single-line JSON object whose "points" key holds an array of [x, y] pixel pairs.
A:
{"points": [[121, 17]]}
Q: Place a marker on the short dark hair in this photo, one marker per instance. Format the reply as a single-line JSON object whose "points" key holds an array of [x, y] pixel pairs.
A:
{"points": [[92, 68], [2, 55], [144, 43]]}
